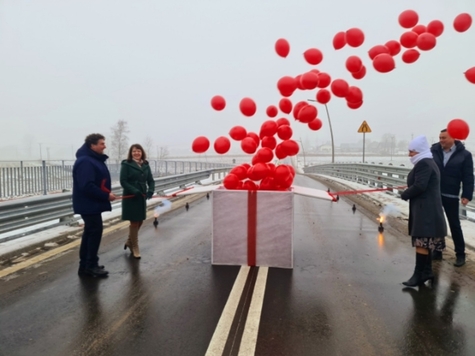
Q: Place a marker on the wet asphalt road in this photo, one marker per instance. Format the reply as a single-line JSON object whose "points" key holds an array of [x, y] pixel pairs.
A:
{"points": [[343, 297]]}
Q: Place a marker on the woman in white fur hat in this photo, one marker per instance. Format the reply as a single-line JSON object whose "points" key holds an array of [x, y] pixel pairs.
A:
{"points": [[426, 217]]}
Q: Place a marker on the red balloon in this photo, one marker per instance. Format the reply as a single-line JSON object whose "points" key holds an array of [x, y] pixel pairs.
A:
{"points": [[426, 41], [419, 29], [354, 37], [354, 105], [222, 145], [307, 114], [240, 172], [298, 82], [360, 74], [282, 173], [271, 167], [291, 148], [435, 27], [282, 47], [282, 121], [353, 64], [238, 133], [272, 111], [355, 95], [409, 39], [269, 142], [200, 144], [260, 170], [313, 56], [291, 170], [339, 88], [267, 184], [408, 18], [378, 49], [268, 128], [297, 108], [280, 152], [324, 80], [286, 85], [470, 75], [394, 47], [384, 63], [339, 41], [410, 56], [248, 145], [462, 22], [284, 132], [265, 154], [255, 137], [309, 80], [285, 105], [458, 129], [230, 181], [315, 125], [247, 107], [249, 185], [218, 103], [323, 96]]}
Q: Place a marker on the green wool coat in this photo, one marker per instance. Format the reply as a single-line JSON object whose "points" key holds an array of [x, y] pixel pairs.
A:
{"points": [[135, 178]]}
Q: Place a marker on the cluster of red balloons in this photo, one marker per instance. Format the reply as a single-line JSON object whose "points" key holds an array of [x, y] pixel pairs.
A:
{"points": [[274, 139], [260, 176]]}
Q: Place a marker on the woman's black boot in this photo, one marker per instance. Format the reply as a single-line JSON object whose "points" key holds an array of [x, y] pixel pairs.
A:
{"points": [[416, 278], [427, 273]]}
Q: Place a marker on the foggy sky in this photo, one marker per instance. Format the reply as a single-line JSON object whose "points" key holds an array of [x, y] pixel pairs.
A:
{"points": [[70, 68]]}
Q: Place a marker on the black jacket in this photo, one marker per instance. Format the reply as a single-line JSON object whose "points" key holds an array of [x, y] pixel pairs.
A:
{"points": [[458, 170], [91, 181]]}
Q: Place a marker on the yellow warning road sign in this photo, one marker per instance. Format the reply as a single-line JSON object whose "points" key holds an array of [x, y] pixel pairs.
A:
{"points": [[364, 128]]}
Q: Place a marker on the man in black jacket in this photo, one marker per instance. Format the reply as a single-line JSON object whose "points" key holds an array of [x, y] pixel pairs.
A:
{"points": [[456, 168]]}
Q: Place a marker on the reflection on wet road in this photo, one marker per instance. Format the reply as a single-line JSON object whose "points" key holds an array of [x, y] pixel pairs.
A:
{"points": [[343, 297]]}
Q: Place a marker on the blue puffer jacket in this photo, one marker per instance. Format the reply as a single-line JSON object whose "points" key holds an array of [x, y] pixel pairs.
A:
{"points": [[91, 179], [458, 170]]}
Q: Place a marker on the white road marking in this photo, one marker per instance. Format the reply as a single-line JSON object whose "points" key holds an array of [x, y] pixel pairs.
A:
{"points": [[221, 333], [249, 337]]}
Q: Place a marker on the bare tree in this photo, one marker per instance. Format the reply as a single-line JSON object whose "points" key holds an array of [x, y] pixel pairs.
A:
{"points": [[148, 145], [119, 140], [162, 152]]}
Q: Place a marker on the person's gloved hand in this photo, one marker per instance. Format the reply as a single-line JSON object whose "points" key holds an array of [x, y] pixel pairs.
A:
{"points": [[138, 194], [149, 195]]}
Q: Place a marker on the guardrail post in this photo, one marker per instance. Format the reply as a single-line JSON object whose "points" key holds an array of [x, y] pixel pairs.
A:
{"points": [[45, 188]]}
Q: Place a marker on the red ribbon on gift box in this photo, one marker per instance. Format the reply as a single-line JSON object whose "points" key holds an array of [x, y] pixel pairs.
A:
{"points": [[251, 227]]}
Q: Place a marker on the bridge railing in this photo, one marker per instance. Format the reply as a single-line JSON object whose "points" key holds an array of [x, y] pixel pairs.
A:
{"points": [[21, 213], [26, 178], [376, 176]]}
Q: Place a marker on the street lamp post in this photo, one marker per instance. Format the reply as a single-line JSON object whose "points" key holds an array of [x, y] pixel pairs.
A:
{"points": [[331, 130]]}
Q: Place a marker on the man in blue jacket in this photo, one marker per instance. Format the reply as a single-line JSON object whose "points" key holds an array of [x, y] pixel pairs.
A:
{"points": [[91, 196], [456, 168]]}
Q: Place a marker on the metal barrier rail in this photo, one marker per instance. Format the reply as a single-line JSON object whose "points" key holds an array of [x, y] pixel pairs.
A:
{"points": [[375, 176], [21, 213], [21, 178]]}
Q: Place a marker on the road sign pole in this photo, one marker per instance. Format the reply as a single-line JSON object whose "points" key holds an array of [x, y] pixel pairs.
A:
{"points": [[364, 136]]}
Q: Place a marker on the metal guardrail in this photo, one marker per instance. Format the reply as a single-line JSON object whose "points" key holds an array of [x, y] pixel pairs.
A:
{"points": [[20, 213], [20, 178], [375, 176]]}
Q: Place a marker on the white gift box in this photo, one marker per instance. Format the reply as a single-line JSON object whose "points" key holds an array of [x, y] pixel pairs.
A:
{"points": [[253, 228]]}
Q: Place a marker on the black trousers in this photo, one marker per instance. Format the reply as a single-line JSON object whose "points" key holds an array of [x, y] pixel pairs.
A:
{"points": [[91, 240], [451, 207]]}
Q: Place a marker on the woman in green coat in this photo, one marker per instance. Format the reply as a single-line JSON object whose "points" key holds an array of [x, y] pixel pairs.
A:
{"points": [[137, 180]]}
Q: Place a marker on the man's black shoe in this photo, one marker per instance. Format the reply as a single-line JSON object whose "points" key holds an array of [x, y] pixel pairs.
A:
{"points": [[94, 272], [460, 261], [82, 271], [436, 255]]}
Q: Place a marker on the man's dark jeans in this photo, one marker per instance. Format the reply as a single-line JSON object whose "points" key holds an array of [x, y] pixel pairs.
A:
{"points": [[90, 242], [451, 207]]}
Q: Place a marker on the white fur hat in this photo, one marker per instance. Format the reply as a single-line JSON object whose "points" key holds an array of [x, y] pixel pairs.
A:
{"points": [[419, 144]]}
